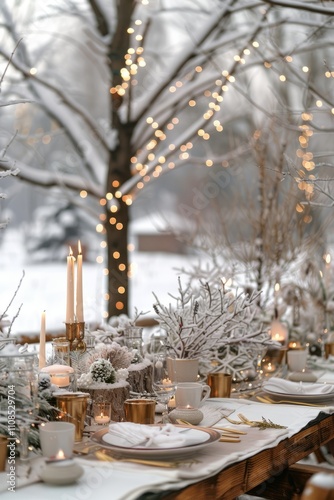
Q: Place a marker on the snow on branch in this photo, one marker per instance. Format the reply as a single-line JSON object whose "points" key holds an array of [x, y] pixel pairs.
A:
{"points": [[4, 314], [206, 320], [45, 178]]}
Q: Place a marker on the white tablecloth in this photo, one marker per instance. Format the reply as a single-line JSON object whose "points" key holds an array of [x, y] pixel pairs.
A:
{"points": [[125, 481]]}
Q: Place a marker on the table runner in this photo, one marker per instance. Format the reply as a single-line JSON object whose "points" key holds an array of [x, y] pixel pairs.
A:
{"points": [[126, 481]]}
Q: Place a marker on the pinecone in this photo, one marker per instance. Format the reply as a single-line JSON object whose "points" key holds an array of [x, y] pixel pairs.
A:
{"points": [[44, 382]]}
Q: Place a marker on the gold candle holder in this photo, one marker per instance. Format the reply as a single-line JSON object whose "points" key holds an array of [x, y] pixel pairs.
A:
{"points": [[73, 409], [140, 411], [3, 452], [220, 384], [329, 349], [75, 334]]}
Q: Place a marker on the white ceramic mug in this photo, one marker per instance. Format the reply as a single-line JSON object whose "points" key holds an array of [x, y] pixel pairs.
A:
{"points": [[57, 439], [297, 359], [191, 394]]}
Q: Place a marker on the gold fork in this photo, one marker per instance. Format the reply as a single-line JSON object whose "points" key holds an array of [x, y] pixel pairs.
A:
{"points": [[227, 435], [234, 422], [266, 399]]}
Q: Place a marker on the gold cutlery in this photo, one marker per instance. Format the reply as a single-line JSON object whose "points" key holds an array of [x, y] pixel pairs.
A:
{"points": [[181, 421], [229, 439], [229, 430], [266, 399], [226, 436], [234, 422], [103, 456], [246, 421]]}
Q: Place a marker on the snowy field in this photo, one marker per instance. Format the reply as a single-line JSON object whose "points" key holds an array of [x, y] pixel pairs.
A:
{"points": [[44, 286]]}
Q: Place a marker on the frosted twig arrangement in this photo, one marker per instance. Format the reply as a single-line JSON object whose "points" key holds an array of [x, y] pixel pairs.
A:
{"points": [[208, 319]]}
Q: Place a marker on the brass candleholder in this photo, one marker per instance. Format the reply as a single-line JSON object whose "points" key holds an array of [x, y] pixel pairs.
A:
{"points": [[75, 334]]}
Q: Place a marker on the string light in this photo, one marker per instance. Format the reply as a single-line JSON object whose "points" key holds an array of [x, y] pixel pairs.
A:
{"points": [[147, 164]]}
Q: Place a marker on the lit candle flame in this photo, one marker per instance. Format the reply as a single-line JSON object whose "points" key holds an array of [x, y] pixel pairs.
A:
{"points": [[60, 455]]}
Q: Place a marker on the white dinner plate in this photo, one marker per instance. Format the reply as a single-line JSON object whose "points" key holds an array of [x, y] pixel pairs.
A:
{"points": [[306, 398], [197, 438]]}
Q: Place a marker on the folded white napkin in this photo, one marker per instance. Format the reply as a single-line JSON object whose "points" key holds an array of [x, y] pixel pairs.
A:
{"points": [[326, 377], [212, 414], [287, 387], [167, 436], [321, 363]]}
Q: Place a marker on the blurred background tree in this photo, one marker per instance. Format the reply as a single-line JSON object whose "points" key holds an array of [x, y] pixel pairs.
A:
{"points": [[119, 93]]}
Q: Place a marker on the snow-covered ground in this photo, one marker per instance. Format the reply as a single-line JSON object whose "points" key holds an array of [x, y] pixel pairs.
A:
{"points": [[44, 286]]}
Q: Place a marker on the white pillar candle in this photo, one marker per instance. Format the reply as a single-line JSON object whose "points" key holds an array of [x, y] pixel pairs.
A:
{"points": [[70, 288], [79, 292], [42, 342]]}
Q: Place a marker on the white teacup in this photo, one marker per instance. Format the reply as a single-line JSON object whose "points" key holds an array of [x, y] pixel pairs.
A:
{"points": [[57, 439], [191, 394]]}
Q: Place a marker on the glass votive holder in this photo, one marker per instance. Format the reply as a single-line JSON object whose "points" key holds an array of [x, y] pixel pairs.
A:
{"points": [[273, 359], [62, 376], [61, 351], [102, 413], [90, 341], [297, 359], [134, 338], [57, 439]]}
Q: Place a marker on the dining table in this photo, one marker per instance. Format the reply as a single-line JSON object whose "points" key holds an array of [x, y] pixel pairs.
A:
{"points": [[221, 470]]}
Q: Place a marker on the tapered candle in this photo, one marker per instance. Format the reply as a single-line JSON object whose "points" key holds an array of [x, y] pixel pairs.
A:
{"points": [[70, 288], [42, 342], [79, 293]]}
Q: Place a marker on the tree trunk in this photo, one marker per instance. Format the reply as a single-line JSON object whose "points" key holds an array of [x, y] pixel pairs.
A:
{"points": [[117, 210], [116, 224]]}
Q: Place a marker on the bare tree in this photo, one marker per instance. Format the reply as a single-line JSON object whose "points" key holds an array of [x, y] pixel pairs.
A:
{"points": [[265, 233], [140, 89]]}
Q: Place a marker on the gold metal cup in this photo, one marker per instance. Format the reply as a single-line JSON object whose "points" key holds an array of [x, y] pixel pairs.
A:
{"points": [[220, 384], [3, 452], [73, 409], [140, 411], [329, 349]]}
